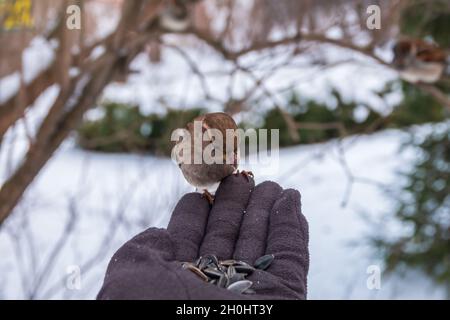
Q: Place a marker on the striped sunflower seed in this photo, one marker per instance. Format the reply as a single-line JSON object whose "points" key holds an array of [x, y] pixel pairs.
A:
{"points": [[240, 286], [197, 271], [264, 262]]}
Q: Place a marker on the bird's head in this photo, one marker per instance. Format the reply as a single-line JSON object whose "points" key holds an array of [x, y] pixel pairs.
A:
{"points": [[208, 135], [403, 54]]}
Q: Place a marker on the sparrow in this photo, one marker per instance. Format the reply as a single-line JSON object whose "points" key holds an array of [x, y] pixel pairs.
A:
{"points": [[204, 129], [419, 61]]}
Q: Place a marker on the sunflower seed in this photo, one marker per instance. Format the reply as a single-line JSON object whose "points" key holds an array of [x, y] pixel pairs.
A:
{"points": [[214, 259], [223, 281], [203, 263], [197, 271], [236, 277], [264, 262], [208, 260], [186, 265], [247, 269], [214, 273], [229, 274], [222, 268], [231, 271], [228, 262], [240, 286], [197, 262], [240, 263]]}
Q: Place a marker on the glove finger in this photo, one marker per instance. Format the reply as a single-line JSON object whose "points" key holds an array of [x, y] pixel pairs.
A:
{"points": [[225, 217], [288, 240], [187, 225], [252, 239]]}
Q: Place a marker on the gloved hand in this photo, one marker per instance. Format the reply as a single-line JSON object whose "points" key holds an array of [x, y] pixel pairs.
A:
{"points": [[244, 223]]}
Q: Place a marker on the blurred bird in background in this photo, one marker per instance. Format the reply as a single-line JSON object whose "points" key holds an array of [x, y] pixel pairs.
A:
{"points": [[419, 61], [175, 16], [204, 176]]}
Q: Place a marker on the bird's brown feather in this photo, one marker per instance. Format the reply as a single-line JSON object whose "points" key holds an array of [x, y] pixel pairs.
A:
{"points": [[204, 174]]}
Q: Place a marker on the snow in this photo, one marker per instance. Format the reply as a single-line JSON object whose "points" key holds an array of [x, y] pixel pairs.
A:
{"points": [[107, 17], [16, 140], [174, 80], [98, 201], [97, 52], [142, 191], [40, 50], [9, 85]]}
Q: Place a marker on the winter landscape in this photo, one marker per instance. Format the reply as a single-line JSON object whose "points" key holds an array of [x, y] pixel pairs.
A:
{"points": [[84, 204]]}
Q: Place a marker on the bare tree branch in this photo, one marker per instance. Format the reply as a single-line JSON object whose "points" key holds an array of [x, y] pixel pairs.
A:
{"points": [[71, 104]]}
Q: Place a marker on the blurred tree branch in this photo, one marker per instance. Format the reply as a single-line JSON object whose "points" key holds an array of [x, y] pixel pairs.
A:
{"points": [[76, 95]]}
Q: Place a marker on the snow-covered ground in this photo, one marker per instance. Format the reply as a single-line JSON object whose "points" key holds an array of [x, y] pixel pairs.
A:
{"points": [[113, 197]]}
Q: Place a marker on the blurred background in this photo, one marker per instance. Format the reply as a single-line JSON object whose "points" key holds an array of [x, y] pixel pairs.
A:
{"points": [[90, 92]]}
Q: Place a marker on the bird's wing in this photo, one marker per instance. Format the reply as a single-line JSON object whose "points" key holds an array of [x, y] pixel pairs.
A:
{"points": [[222, 122], [430, 53]]}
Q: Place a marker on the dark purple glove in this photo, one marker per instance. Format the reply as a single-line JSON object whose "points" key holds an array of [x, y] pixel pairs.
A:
{"points": [[244, 223]]}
